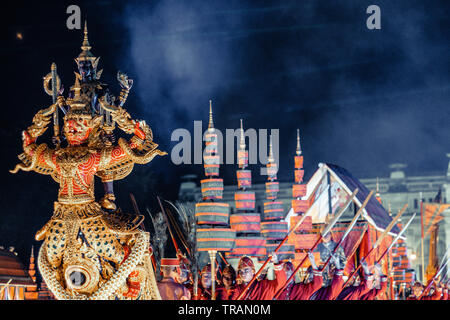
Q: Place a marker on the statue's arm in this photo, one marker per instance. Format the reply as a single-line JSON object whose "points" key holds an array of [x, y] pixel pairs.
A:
{"points": [[118, 161], [40, 124], [37, 157], [125, 84]]}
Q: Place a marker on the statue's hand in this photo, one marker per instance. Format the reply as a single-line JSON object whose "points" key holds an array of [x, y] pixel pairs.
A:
{"points": [[119, 115], [56, 140], [61, 90], [124, 82], [40, 122], [123, 120], [108, 137], [111, 137]]}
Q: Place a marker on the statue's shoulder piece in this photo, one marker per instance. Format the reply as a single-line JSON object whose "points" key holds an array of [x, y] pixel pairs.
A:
{"points": [[114, 164]]}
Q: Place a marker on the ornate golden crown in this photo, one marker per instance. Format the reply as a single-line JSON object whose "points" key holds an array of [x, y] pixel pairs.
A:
{"points": [[77, 105]]}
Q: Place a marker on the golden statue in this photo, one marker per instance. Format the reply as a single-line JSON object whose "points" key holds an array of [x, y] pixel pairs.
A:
{"points": [[90, 252]]}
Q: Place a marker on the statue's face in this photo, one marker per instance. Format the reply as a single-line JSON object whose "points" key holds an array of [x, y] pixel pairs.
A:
{"points": [[86, 70], [77, 129]]}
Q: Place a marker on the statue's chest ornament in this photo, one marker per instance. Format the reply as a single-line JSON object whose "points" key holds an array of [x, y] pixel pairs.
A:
{"points": [[70, 160], [75, 164]]}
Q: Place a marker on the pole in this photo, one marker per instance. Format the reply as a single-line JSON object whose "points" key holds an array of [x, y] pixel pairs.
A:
{"points": [[444, 278], [434, 278], [223, 258], [137, 211], [421, 237], [437, 274], [330, 208], [54, 78], [388, 268], [168, 225], [134, 203], [286, 237], [396, 238], [195, 286], [154, 227], [218, 267], [404, 290], [325, 232], [177, 228], [212, 258], [347, 231], [54, 96], [6, 286], [389, 248], [377, 243], [391, 294]]}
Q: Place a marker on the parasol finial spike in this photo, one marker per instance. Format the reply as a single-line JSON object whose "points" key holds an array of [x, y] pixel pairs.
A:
{"points": [[211, 123], [298, 150]]}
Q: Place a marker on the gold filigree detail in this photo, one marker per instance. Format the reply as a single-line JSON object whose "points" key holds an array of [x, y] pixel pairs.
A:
{"points": [[31, 162], [82, 211], [41, 121], [146, 153]]}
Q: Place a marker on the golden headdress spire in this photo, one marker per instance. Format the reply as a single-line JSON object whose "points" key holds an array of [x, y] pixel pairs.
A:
{"points": [[211, 123], [85, 46], [86, 54], [299, 150]]}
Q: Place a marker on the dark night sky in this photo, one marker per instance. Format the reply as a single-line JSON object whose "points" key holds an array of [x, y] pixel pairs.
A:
{"points": [[362, 98]]}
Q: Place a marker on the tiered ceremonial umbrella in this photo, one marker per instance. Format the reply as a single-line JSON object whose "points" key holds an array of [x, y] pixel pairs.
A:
{"points": [[303, 238], [245, 221], [213, 231], [273, 228]]}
